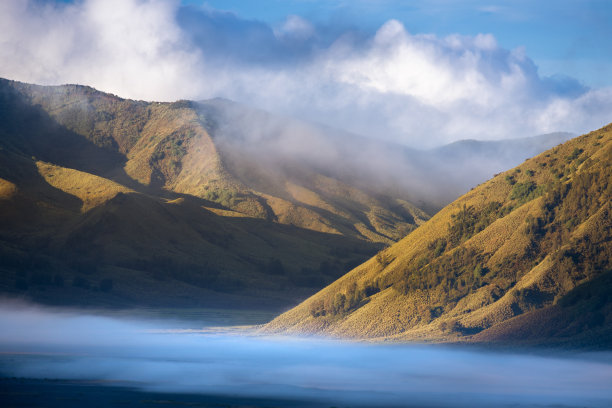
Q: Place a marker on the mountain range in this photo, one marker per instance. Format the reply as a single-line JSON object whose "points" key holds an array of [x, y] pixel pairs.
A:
{"points": [[108, 201], [523, 258]]}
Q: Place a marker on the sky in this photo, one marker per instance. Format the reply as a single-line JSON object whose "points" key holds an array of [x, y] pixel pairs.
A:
{"points": [[420, 73]]}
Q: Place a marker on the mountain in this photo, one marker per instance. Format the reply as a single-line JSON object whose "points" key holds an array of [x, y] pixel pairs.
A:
{"points": [[119, 202], [523, 258], [461, 165], [107, 201], [282, 152]]}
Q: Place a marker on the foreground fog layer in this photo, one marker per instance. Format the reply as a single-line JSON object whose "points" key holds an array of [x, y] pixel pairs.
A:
{"points": [[36, 343]]}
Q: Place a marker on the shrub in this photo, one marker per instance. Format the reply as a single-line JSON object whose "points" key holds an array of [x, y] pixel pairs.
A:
{"points": [[383, 258], [574, 155]]}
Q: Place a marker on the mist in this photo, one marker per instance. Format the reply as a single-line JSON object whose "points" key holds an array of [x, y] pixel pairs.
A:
{"points": [[154, 356], [265, 150]]}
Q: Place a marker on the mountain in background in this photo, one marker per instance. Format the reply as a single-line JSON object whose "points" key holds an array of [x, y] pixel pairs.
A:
{"points": [[113, 201], [269, 152], [523, 258]]}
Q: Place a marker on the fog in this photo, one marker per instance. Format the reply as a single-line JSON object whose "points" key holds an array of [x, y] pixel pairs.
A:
{"points": [[151, 356], [282, 148]]}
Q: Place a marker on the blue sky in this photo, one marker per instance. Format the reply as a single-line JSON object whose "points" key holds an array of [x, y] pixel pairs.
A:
{"points": [[568, 37], [420, 73]]}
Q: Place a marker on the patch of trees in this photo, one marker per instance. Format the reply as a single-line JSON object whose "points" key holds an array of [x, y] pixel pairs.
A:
{"points": [[454, 326], [39, 280], [344, 302], [574, 155], [166, 267], [470, 221], [456, 273], [527, 191]]}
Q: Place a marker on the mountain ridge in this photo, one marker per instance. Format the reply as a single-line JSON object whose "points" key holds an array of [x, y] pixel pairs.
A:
{"points": [[189, 208], [518, 247]]}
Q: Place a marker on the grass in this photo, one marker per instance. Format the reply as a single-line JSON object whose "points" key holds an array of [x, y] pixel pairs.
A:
{"points": [[92, 190], [508, 248], [149, 205]]}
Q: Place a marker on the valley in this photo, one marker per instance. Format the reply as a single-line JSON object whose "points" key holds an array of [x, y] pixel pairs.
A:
{"points": [[117, 203]]}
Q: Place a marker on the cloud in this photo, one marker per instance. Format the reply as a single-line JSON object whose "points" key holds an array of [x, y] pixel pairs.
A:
{"points": [[133, 48], [417, 89]]}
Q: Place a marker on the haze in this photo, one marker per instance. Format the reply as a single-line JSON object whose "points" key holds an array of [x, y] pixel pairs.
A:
{"points": [[59, 344]]}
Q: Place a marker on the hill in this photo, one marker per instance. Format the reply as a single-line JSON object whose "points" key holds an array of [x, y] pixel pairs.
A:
{"points": [[275, 154], [119, 202], [523, 258], [182, 147], [112, 202]]}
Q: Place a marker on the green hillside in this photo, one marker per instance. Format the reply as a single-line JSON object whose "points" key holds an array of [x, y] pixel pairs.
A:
{"points": [[524, 257]]}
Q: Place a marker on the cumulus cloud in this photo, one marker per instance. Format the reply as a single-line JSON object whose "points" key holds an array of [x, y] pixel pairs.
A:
{"points": [[417, 89], [133, 48]]}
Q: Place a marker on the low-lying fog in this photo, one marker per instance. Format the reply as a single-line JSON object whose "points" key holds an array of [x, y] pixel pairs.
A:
{"points": [[52, 344]]}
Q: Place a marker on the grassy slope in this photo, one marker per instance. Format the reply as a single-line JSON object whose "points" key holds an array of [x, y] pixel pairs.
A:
{"points": [[90, 194], [169, 145], [516, 251]]}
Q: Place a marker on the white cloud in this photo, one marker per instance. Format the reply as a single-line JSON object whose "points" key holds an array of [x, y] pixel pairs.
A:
{"points": [[297, 27], [133, 48], [418, 89]]}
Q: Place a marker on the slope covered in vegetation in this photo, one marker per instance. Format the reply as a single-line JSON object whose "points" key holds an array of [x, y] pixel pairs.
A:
{"points": [[112, 201], [524, 257], [178, 147], [115, 202]]}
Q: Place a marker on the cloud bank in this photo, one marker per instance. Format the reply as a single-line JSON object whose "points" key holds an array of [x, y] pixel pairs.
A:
{"points": [[39, 343], [417, 89]]}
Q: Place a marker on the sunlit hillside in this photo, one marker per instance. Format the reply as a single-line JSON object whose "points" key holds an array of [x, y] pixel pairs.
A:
{"points": [[106, 201], [112, 201], [175, 147], [524, 257]]}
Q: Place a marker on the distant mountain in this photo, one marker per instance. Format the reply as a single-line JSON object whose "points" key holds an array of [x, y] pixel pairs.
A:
{"points": [[524, 258], [280, 149], [464, 164]]}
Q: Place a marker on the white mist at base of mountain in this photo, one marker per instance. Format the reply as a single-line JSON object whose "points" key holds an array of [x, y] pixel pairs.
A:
{"points": [[41, 343]]}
